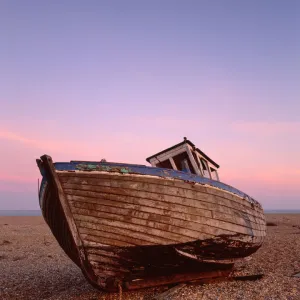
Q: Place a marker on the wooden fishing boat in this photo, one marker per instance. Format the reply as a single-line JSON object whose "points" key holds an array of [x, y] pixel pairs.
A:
{"points": [[135, 226]]}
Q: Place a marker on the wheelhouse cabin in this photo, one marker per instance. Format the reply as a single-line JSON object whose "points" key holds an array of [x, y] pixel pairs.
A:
{"points": [[187, 158]]}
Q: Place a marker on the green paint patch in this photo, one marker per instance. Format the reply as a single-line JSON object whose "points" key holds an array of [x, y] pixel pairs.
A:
{"points": [[90, 167], [104, 168], [124, 170]]}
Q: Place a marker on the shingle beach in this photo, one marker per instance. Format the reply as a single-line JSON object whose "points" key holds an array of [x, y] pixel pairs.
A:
{"points": [[33, 266]]}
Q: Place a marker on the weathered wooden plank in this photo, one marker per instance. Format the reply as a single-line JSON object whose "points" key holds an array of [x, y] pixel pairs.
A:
{"points": [[163, 223], [85, 190], [171, 187], [178, 219], [106, 231], [96, 249], [188, 199], [139, 226], [99, 264], [166, 207], [173, 163], [98, 236], [101, 251], [149, 221], [89, 190], [66, 177], [162, 237], [102, 200], [145, 239], [199, 204], [168, 154], [106, 240], [199, 163], [240, 218], [192, 160], [148, 238], [200, 224], [144, 202]]}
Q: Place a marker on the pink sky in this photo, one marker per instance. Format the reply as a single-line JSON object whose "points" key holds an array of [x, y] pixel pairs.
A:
{"points": [[258, 164], [122, 82]]}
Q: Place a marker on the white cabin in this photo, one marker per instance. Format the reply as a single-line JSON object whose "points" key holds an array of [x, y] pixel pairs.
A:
{"points": [[186, 157]]}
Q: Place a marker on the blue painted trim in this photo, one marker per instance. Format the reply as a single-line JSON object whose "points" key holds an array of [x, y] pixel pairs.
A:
{"points": [[152, 171]]}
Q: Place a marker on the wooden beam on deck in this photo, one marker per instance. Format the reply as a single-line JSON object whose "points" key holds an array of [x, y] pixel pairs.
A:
{"points": [[191, 157], [172, 163]]}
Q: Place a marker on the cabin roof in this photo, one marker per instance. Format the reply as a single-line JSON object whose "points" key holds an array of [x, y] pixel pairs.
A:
{"points": [[177, 145]]}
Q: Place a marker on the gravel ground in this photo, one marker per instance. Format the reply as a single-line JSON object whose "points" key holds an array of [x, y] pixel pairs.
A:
{"points": [[33, 266]]}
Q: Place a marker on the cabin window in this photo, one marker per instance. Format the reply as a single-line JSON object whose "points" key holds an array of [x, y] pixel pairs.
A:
{"points": [[164, 164], [214, 175], [183, 163], [185, 166], [205, 168]]}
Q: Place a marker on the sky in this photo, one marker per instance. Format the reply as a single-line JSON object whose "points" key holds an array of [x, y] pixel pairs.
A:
{"points": [[122, 80]]}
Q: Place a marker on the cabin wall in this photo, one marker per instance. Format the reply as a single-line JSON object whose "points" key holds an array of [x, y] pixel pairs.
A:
{"points": [[195, 163], [208, 170], [155, 160], [204, 167]]}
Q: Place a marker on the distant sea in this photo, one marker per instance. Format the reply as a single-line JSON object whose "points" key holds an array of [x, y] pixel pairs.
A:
{"points": [[39, 213], [282, 211], [12, 213]]}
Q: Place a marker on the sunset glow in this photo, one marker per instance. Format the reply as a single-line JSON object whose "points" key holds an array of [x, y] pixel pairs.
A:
{"points": [[122, 82]]}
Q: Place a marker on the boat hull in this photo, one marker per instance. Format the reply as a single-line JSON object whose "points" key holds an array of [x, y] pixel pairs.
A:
{"points": [[124, 226]]}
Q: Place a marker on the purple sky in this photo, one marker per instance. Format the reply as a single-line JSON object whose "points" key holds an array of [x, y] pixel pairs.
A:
{"points": [[122, 80]]}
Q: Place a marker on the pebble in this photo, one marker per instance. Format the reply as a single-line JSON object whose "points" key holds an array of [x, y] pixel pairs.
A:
{"points": [[43, 271]]}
